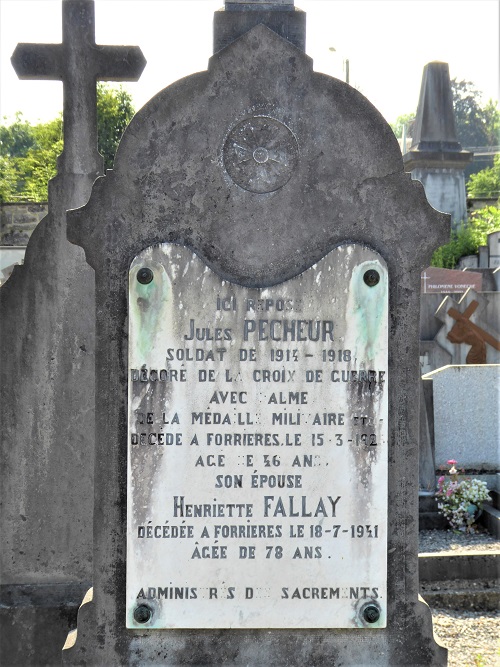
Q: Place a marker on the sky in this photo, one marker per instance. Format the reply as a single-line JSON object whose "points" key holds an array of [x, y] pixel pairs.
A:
{"points": [[387, 43]]}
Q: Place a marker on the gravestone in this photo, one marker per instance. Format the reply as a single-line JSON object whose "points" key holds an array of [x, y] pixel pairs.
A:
{"points": [[47, 352], [17, 222], [257, 308], [463, 331], [448, 281], [467, 416], [466, 334], [468, 262], [488, 257], [494, 249], [436, 158]]}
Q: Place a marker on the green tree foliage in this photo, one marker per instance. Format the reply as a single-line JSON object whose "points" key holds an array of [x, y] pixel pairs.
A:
{"points": [[486, 183], [400, 122], [28, 153], [8, 179], [477, 125], [28, 156], [16, 139], [468, 237], [114, 113]]}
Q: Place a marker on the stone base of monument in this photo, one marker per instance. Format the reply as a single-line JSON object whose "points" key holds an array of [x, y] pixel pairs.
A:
{"points": [[42, 615], [429, 517], [490, 518], [463, 565], [471, 595], [461, 580]]}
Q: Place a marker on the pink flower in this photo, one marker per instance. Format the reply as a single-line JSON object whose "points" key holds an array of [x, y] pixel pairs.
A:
{"points": [[451, 462], [441, 480], [449, 491]]}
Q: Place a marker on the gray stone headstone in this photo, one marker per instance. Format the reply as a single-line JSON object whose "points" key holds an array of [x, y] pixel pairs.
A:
{"points": [[467, 416], [17, 222], [494, 249], [427, 463], [436, 158], [47, 369], [470, 328], [484, 257], [263, 170], [468, 262], [432, 356]]}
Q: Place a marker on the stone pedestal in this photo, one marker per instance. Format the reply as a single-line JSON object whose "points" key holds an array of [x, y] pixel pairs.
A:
{"points": [[436, 158]]}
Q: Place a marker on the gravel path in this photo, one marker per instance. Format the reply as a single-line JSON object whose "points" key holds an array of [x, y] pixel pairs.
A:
{"points": [[432, 541], [471, 637]]}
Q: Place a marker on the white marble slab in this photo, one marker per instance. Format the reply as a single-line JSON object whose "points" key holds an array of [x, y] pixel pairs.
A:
{"points": [[257, 445]]}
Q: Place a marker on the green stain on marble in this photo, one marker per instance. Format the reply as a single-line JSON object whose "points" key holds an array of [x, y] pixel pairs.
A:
{"points": [[369, 308], [147, 307]]}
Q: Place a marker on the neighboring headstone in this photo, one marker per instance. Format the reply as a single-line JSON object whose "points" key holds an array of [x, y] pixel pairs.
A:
{"points": [[427, 462], [449, 281], [465, 333], [18, 220], [47, 352], [253, 214], [436, 158], [432, 356], [496, 278], [488, 257], [494, 249], [467, 416], [453, 332], [484, 257], [432, 307], [447, 338], [468, 262]]}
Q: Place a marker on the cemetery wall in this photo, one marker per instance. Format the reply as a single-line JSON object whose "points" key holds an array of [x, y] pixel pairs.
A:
{"points": [[476, 203]]}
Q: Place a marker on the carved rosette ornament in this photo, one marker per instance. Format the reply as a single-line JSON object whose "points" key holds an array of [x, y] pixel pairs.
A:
{"points": [[260, 154]]}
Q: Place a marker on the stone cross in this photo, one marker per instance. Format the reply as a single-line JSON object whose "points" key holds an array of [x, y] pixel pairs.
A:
{"points": [[79, 62], [53, 348]]}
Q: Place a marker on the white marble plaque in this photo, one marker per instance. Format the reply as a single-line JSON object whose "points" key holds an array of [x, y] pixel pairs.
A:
{"points": [[257, 445]]}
